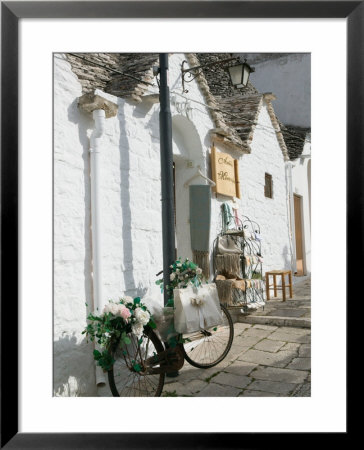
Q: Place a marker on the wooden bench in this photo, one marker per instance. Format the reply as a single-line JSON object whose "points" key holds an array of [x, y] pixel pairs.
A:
{"points": [[274, 286]]}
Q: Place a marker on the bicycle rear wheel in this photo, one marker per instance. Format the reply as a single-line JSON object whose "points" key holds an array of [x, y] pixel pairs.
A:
{"points": [[206, 348], [128, 378]]}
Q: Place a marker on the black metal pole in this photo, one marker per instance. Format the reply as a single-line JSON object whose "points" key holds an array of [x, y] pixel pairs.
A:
{"points": [[165, 131]]}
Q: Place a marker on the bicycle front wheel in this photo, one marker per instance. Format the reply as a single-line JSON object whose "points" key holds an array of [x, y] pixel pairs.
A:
{"points": [[206, 348], [128, 377]]}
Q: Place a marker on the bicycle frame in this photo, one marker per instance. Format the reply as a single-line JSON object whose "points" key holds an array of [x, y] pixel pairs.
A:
{"points": [[170, 360]]}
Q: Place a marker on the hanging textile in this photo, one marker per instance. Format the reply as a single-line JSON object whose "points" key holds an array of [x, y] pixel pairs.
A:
{"points": [[227, 217], [231, 292], [200, 219], [228, 265]]}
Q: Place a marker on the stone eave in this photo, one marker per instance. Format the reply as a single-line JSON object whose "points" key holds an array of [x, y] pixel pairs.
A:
{"points": [[268, 97], [226, 135], [137, 92]]}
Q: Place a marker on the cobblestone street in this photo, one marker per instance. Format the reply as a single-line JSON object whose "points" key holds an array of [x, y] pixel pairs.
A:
{"points": [[264, 361]]}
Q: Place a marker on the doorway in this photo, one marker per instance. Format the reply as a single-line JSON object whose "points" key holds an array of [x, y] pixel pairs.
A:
{"points": [[299, 235], [187, 155]]}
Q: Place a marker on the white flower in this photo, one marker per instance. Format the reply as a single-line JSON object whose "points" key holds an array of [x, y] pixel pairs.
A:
{"points": [[142, 316], [107, 334], [137, 328], [198, 270], [177, 270], [114, 309], [108, 308], [172, 276], [128, 299], [179, 265]]}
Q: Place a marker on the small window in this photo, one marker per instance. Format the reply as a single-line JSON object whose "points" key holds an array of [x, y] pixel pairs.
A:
{"points": [[268, 186]]}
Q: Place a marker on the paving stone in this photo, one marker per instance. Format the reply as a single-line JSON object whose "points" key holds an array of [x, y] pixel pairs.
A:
{"points": [[240, 367], [304, 351], [272, 386], [216, 390], [193, 386], [292, 347], [240, 342], [303, 390], [256, 332], [292, 312], [185, 375], [279, 359], [240, 328], [247, 341], [299, 331], [231, 379], [300, 364], [280, 335], [234, 353], [278, 374], [250, 393], [172, 389], [265, 327], [188, 373], [268, 345], [206, 374]]}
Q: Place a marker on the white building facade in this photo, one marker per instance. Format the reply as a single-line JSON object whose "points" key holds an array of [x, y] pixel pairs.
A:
{"points": [[130, 202]]}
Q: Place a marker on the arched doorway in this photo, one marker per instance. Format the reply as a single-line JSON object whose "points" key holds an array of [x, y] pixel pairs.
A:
{"points": [[187, 155]]}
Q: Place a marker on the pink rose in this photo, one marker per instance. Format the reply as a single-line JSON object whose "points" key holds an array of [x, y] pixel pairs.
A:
{"points": [[124, 312]]}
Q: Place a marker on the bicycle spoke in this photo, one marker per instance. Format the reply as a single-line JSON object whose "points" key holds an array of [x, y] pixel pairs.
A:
{"points": [[208, 347], [126, 380]]}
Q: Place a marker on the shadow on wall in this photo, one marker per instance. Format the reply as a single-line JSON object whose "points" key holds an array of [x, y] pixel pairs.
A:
{"points": [[85, 123], [73, 368], [73, 365]]}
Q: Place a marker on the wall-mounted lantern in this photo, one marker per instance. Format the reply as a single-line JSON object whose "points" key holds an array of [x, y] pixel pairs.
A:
{"points": [[239, 74]]}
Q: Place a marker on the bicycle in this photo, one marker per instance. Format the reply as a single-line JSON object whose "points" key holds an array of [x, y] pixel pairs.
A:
{"points": [[140, 367]]}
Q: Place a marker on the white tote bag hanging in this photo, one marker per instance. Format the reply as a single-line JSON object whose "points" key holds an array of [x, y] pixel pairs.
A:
{"points": [[196, 308]]}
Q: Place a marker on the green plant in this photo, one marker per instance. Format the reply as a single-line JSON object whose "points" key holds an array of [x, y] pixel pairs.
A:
{"points": [[114, 324], [182, 274]]}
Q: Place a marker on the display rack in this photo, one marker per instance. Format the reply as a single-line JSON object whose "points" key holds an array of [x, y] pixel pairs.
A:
{"points": [[244, 288]]}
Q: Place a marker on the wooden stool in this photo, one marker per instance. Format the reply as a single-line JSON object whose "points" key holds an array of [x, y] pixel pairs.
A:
{"points": [[282, 288]]}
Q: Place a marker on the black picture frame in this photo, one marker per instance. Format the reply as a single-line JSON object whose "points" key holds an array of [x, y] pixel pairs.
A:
{"points": [[11, 12]]}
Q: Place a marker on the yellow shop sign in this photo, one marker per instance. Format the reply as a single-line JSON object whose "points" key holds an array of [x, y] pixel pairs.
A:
{"points": [[225, 173]]}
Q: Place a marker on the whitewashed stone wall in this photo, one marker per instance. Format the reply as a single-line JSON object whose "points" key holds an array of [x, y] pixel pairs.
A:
{"points": [[131, 210], [270, 214], [131, 206], [73, 362], [131, 220]]}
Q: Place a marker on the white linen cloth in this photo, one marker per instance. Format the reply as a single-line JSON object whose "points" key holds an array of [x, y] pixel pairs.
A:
{"points": [[196, 308]]}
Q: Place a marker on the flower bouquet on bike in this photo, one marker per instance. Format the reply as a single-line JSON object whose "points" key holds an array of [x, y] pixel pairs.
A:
{"points": [[137, 351]]}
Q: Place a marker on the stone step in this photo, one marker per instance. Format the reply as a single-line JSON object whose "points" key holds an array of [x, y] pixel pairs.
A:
{"points": [[275, 320]]}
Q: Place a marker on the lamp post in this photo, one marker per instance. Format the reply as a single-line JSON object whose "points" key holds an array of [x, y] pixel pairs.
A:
{"points": [[166, 155]]}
